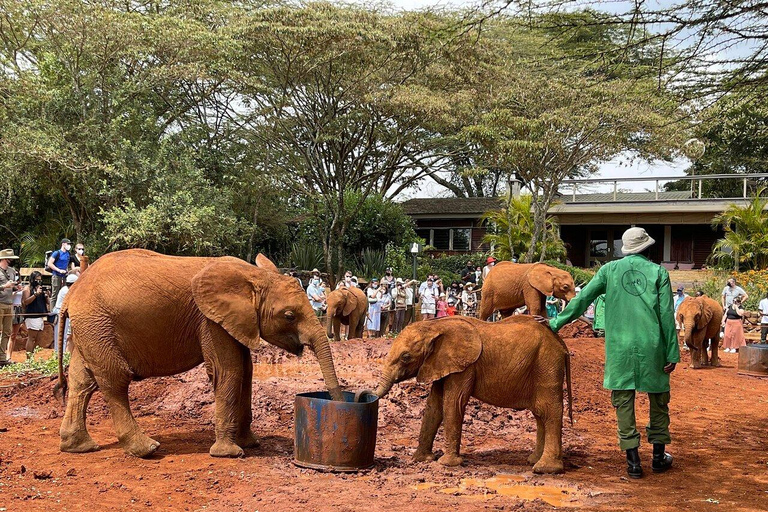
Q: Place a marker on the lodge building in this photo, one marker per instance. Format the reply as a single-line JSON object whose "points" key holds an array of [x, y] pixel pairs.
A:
{"points": [[591, 225]]}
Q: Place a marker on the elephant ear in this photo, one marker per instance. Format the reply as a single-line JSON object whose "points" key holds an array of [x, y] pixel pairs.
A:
{"points": [[226, 295], [448, 353], [705, 316], [265, 263], [350, 303], [541, 278]]}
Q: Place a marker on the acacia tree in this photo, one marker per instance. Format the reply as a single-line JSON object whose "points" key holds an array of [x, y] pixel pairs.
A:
{"points": [[555, 119], [337, 99]]}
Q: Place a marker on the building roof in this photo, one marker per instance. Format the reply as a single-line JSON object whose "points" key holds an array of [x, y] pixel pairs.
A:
{"points": [[452, 205]]}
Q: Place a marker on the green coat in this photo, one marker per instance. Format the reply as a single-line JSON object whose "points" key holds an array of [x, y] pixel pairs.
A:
{"points": [[640, 337], [599, 323]]}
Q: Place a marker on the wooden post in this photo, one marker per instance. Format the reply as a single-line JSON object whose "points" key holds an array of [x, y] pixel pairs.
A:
{"points": [[614, 189]]}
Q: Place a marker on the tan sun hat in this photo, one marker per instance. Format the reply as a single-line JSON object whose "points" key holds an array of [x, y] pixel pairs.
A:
{"points": [[635, 240], [7, 254]]}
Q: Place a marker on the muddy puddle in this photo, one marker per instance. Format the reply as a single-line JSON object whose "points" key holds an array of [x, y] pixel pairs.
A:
{"points": [[505, 485]]}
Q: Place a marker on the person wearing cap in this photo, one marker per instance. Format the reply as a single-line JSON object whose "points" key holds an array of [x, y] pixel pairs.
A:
{"points": [[68, 282], [490, 261], [35, 299], [388, 278], [316, 293], [58, 265], [9, 283], [469, 300], [641, 348]]}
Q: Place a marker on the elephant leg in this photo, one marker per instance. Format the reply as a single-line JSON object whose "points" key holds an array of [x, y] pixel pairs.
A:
{"points": [[456, 392], [430, 422], [245, 437], [551, 413], [114, 387], [74, 432], [536, 455], [715, 359], [225, 364]]}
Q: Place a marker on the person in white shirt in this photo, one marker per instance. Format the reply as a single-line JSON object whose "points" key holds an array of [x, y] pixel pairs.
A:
{"points": [[69, 281], [428, 298], [763, 307]]}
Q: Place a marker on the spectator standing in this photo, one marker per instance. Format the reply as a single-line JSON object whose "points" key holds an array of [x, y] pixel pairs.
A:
{"points": [[388, 278], [374, 309], [469, 300], [478, 275], [552, 306], [428, 299], [763, 307], [316, 293], [35, 302], [347, 281], [410, 305], [730, 292], [734, 327], [68, 282], [489, 263], [442, 306], [18, 319], [680, 296], [9, 282], [387, 314], [58, 265], [400, 300], [468, 274], [451, 310], [79, 258]]}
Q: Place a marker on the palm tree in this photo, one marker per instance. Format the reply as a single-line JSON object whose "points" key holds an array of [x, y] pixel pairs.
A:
{"points": [[746, 234], [511, 231]]}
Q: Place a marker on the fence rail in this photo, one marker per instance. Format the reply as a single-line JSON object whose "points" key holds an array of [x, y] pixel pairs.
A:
{"points": [[695, 195]]}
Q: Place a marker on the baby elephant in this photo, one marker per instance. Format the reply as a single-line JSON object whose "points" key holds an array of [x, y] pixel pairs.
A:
{"points": [[516, 363]]}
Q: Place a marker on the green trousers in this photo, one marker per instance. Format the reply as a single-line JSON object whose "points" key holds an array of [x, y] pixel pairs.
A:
{"points": [[657, 429]]}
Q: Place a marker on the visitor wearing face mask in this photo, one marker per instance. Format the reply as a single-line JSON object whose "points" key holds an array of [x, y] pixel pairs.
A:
{"points": [[468, 274], [388, 278], [79, 259], [58, 265], [35, 302], [316, 293], [428, 298], [374, 309]]}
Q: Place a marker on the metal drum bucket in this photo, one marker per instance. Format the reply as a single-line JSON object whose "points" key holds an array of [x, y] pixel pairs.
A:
{"points": [[753, 360], [335, 436]]}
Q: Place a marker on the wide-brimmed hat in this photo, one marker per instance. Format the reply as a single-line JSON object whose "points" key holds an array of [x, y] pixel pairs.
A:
{"points": [[490, 259], [71, 278], [315, 271], [399, 280], [7, 254], [635, 240]]}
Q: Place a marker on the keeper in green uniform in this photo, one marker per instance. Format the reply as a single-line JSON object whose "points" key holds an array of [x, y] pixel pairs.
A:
{"points": [[640, 343]]}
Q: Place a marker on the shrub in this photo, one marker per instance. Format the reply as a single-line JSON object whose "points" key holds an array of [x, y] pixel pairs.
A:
{"points": [[306, 256]]}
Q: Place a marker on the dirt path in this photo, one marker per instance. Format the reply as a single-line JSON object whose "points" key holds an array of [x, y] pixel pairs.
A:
{"points": [[719, 423]]}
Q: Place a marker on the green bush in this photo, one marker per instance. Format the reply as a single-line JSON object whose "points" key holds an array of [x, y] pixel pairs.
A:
{"points": [[306, 256], [371, 264], [36, 365]]}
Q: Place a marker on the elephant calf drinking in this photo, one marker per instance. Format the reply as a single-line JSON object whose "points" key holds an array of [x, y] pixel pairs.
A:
{"points": [[516, 363], [138, 314]]}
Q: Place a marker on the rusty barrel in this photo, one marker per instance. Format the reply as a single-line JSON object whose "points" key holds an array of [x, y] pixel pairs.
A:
{"points": [[753, 360], [334, 435]]}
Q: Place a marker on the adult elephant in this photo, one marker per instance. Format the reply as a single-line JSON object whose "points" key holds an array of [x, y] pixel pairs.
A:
{"points": [[701, 316], [512, 285], [137, 314], [346, 306], [463, 357]]}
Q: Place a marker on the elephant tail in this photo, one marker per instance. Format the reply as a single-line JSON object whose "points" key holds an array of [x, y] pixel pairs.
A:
{"points": [[568, 383], [60, 390]]}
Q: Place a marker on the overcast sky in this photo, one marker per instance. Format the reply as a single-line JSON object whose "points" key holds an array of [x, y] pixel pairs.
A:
{"points": [[617, 168]]}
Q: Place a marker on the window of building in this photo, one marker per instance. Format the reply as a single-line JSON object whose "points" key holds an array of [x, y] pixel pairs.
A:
{"points": [[447, 239]]}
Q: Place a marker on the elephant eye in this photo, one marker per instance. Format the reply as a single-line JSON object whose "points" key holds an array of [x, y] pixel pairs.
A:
{"points": [[290, 316], [405, 357]]}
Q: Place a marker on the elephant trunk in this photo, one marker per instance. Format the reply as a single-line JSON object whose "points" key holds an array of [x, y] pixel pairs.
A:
{"points": [[322, 348], [385, 384], [688, 338]]}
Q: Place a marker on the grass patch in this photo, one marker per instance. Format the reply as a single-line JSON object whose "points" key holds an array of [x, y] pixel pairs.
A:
{"points": [[36, 365]]}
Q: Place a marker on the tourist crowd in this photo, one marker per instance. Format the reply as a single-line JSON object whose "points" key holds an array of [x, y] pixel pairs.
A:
{"points": [[26, 306]]}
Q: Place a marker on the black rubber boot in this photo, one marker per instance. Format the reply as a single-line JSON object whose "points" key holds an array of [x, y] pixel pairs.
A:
{"points": [[634, 469], [662, 461]]}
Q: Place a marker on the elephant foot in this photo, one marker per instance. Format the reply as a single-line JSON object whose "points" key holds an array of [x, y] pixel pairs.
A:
{"points": [[424, 456], [225, 448], [548, 467], [534, 458], [248, 440], [451, 460], [140, 446], [80, 442]]}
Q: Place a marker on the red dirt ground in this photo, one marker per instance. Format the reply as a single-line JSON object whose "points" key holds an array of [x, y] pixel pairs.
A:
{"points": [[719, 423]]}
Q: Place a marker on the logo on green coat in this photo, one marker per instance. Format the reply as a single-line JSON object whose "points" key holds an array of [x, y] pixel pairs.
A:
{"points": [[634, 282]]}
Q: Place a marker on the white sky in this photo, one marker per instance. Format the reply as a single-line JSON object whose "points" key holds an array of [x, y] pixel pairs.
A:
{"points": [[617, 168]]}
